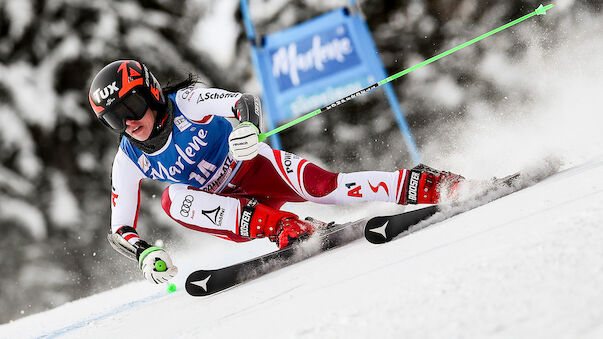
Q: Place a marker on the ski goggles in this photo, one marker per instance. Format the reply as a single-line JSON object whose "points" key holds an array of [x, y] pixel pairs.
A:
{"points": [[132, 107]]}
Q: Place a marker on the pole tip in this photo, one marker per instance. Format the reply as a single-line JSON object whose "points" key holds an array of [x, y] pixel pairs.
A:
{"points": [[541, 10], [171, 287]]}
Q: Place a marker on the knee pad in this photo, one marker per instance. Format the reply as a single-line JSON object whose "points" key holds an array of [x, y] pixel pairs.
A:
{"points": [[319, 182]]}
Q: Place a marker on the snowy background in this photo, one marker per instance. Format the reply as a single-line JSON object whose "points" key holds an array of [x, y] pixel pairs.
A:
{"points": [[526, 94]]}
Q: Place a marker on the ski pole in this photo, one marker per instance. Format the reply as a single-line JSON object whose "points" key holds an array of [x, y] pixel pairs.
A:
{"points": [[170, 287], [541, 10]]}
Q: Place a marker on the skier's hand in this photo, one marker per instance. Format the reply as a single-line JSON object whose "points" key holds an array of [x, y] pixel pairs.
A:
{"points": [[156, 265], [244, 141]]}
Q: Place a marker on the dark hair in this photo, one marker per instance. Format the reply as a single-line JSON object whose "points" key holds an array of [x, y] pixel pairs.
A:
{"points": [[190, 80]]}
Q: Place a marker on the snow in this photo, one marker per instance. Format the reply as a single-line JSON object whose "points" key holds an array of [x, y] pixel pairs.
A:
{"points": [[21, 13], [32, 84], [221, 46], [13, 131], [447, 92], [64, 209], [564, 4], [560, 116], [528, 265], [26, 214]]}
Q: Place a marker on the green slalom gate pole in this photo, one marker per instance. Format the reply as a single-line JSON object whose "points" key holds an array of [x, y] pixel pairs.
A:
{"points": [[541, 10]]}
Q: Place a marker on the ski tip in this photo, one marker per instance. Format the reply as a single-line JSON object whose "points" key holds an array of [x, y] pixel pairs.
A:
{"points": [[198, 284], [376, 230], [383, 229]]}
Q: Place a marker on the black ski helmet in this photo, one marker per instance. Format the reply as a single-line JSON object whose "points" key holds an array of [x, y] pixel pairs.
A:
{"points": [[123, 90]]}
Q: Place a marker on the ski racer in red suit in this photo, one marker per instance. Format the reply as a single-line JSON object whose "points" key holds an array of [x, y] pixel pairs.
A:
{"points": [[222, 180]]}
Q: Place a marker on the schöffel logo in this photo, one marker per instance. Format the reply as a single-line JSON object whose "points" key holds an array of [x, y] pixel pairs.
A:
{"points": [[210, 96], [314, 57]]}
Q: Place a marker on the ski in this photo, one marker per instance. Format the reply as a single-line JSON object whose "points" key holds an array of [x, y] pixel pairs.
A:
{"points": [[376, 230], [207, 282], [380, 230], [383, 229]]}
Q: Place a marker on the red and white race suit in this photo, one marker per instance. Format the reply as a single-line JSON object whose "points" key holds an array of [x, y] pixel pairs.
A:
{"points": [[273, 177]]}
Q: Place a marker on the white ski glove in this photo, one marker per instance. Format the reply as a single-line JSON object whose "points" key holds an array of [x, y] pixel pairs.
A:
{"points": [[244, 141], [156, 265]]}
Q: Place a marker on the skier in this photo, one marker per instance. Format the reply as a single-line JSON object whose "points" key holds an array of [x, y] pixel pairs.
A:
{"points": [[222, 179]]}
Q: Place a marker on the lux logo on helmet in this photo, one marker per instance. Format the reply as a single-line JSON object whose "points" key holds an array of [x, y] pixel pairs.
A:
{"points": [[105, 92]]}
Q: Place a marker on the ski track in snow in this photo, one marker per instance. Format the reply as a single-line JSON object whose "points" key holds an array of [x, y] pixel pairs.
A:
{"points": [[89, 321], [527, 265]]}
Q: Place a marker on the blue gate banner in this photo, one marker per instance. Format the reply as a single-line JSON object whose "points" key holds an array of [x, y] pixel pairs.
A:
{"points": [[315, 57], [315, 63]]}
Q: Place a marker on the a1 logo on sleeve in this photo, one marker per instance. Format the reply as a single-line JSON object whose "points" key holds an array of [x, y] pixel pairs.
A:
{"points": [[354, 192]]}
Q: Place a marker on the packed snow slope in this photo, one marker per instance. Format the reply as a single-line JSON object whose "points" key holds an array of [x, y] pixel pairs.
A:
{"points": [[527, 265]]}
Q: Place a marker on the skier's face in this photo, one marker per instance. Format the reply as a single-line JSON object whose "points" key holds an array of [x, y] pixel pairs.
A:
{"points": [[141, 129]]}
